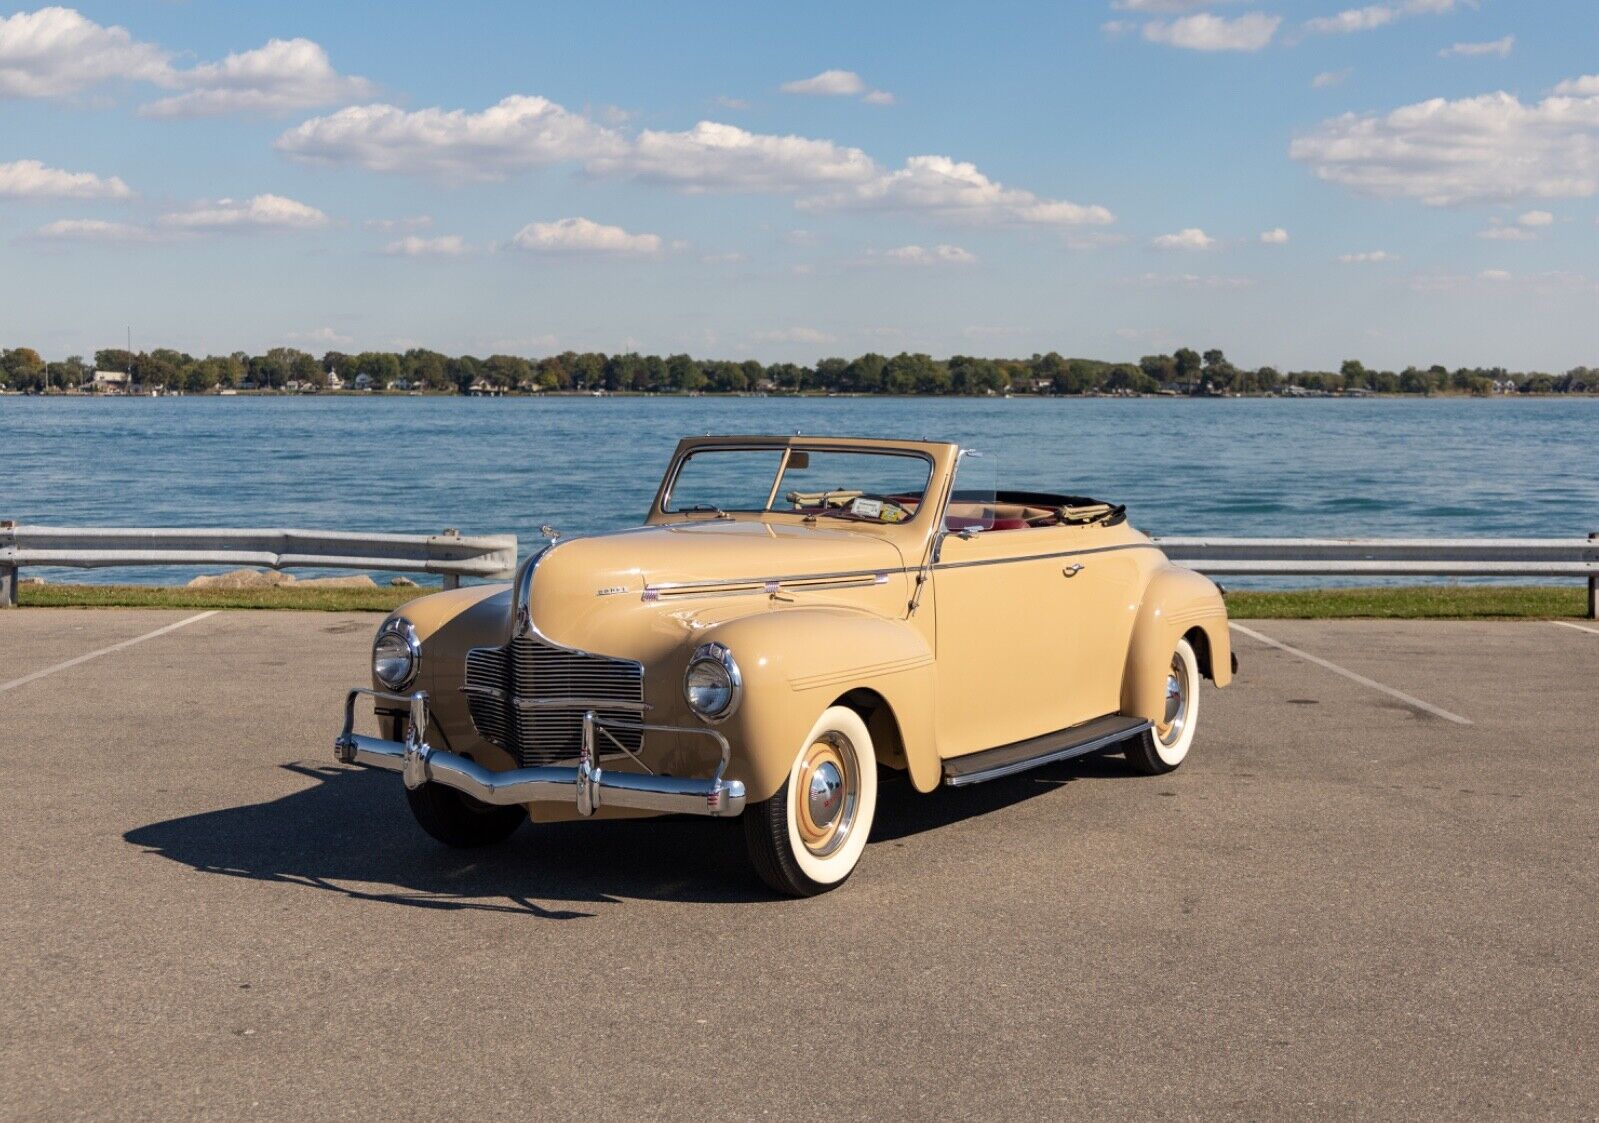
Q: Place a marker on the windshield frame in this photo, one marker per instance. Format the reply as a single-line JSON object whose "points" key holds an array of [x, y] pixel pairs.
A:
{"points": [[788, 448]]}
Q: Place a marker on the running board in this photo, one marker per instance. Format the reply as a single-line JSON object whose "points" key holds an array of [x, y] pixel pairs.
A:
{"points": [[1063, 744]]}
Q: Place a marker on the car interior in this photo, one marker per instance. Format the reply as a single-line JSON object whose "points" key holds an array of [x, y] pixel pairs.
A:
{"points": [[1005, 510]]}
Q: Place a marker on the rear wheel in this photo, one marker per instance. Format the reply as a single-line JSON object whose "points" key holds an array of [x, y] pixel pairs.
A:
{"points": [[809, 836], [456, 819], [1164, 747]]}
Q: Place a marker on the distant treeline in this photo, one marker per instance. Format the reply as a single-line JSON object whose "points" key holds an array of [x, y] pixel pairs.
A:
{"points": [[1184, 372]]}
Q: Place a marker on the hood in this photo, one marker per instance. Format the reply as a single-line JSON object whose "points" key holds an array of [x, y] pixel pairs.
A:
{"points": [[585, 587], [711, 551]]}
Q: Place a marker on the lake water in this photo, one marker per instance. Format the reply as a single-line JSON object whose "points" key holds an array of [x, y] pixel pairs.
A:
{"points": [[1243, 467]]}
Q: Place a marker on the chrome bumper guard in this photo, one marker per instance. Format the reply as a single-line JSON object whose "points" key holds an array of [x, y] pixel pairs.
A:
{"points": [[588, 785]]}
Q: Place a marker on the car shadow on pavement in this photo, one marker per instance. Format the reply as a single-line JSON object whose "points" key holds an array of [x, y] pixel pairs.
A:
{"points": [[350, 832]]}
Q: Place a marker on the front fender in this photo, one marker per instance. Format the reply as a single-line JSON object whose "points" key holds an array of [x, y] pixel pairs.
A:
{"points": [[798, 661], [447, 625], [1176, 602]]}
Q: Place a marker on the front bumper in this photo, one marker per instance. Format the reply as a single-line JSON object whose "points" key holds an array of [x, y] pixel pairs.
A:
{"points": [[587, 785]]}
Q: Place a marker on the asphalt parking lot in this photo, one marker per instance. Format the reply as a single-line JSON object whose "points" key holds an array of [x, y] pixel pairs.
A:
{"points": [[1361, 896]]}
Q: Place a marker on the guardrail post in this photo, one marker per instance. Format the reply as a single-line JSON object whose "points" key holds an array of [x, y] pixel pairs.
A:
{"points": [[8, 574], [1593, 588]]}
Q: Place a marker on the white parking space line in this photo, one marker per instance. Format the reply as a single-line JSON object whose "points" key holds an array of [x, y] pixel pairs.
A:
{"points": [[1579, 627], [25, 679], [1407, 699]]}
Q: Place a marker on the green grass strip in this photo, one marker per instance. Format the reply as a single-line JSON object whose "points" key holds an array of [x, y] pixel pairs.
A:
{"points": [[381, 599], [1411, 602]]}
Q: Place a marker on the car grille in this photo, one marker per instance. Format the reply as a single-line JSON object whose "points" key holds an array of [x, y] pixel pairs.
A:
{"points": [[528, 669]]}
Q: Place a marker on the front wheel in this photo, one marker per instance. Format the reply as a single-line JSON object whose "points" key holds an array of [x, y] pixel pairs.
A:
{"points": [[456, 819], [1164, 747], [809, 836]]}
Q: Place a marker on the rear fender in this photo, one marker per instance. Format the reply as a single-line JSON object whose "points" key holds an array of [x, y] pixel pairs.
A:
{"points": [[1177, 602]]}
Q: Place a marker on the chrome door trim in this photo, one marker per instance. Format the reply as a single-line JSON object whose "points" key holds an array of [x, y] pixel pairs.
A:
{"points": [[765, 586], [1046, 557]]}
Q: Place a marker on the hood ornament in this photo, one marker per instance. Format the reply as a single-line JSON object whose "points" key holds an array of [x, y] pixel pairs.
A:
{"points": [[549, 532]]}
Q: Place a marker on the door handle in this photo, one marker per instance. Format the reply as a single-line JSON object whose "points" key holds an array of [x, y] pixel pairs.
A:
{"points": [[1072, 570]]}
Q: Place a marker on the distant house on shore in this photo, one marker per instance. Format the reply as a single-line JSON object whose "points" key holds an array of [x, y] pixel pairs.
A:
{"points": [[109, 382], [334, 381], [365, 381], [481, 388]]}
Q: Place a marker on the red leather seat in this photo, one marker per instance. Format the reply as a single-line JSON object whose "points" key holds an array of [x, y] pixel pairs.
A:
{"points": [[955, 522]]}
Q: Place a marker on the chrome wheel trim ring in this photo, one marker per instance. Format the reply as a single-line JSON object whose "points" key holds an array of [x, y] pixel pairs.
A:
{"points": [[1170, 730], [827, 794]]}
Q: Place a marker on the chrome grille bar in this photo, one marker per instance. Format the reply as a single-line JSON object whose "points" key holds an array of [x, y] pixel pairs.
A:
{"points": [[529, 698]]}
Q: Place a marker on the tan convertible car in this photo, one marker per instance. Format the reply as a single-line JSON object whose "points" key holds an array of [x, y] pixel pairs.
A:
{"points": [[796, 616]]}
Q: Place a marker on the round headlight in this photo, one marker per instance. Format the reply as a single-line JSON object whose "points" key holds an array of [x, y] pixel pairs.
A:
{"points": [[712, 683], [395, 655]]}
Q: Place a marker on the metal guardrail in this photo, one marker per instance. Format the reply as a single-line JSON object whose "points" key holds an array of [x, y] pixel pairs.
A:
{"points": [[494, 556], [1393, 557], [450, 554]]}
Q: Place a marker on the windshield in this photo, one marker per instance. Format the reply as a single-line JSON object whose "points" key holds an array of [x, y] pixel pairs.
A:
{"points": [[859, 486]]}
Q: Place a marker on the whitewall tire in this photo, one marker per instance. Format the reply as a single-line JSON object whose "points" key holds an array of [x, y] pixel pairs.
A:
{"points": [[1164, 747], [809, 836]]}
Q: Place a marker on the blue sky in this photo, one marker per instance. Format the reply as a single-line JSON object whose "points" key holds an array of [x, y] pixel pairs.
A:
{"points": [[1405, 181]]}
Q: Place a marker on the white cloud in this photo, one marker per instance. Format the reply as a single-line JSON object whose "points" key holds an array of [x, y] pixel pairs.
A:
{"points": [[583, 236], [1370, 257], [1491, 148], [517, 134], [1165, 7], [284, 75], [1192, 281], [1495, 275], [1586, 86], [730, 102], [1192, 238], [1500, 47], [717, 157], [1330, 78], [324, 335], [260, 212], [1373, 16], [793, 335], [1275, 237], [1507, 234], [829, 83], [410, 222], [55, 52], [93, 230], [1353, 19], [1206, 32], [838, 83], [412, 245], [1536, 218], [940, 188], [29, 179], [942, 254]]}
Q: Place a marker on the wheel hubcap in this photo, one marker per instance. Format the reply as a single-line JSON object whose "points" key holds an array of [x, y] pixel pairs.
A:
{"points": [[1171, 729], [826, 794]]}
